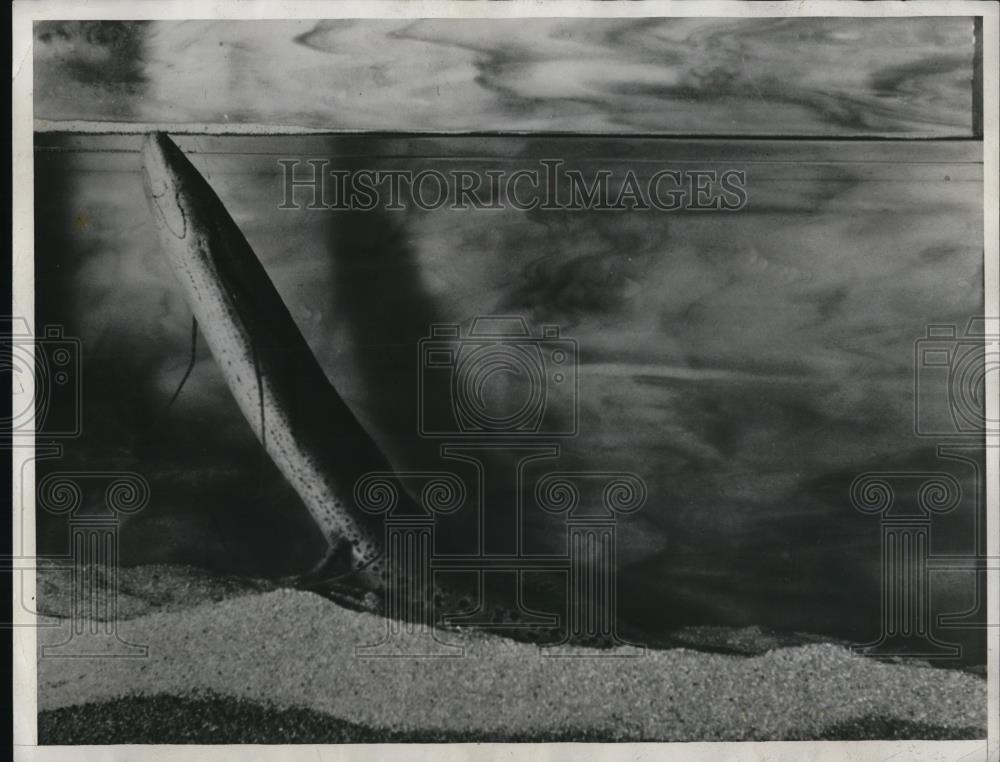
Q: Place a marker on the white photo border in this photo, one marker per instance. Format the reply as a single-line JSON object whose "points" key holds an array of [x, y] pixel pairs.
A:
{"points": [[25, 12]]}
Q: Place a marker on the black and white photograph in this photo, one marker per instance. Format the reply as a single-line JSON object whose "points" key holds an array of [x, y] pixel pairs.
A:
{"points": [[575, 374]]}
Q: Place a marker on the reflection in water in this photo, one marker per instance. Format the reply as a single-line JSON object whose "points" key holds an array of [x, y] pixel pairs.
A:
{"points": [[795, 76]]}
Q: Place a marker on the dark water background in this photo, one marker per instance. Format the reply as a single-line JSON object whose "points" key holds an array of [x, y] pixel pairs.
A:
{"points": [[747, 365]]}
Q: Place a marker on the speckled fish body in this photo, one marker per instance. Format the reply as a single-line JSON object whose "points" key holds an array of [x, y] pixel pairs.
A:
{"points": [[300, 419]]}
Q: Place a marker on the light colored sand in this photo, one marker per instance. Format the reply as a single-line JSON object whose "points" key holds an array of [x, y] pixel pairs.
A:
{"points": [[296, 649]]}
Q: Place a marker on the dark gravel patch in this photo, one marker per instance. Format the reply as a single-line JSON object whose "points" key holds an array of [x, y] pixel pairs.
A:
{"points": [[210, 719], [886, 729]]}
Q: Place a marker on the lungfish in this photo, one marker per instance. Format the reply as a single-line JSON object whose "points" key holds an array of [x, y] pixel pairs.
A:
{"points": [[279, 385]]}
